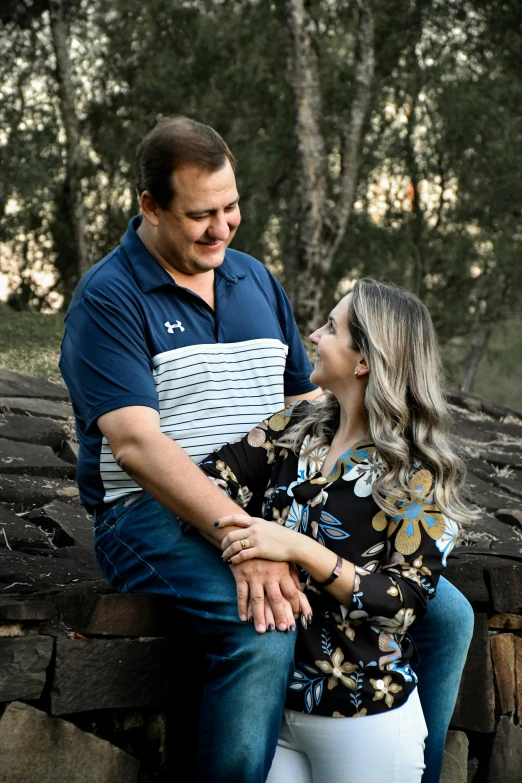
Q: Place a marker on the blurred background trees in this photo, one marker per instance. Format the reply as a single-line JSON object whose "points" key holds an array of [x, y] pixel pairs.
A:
{"points": [[373, 138]]}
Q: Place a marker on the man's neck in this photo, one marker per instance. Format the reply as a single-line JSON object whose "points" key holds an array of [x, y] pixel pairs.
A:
{"points": [[202, 284]]}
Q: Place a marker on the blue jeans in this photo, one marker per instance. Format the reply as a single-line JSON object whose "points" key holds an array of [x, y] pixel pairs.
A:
{"points": [[442, 638], [141, 549]]}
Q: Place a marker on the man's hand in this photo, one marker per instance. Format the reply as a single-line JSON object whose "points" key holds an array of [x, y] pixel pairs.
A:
{"points": [[256, 579]]}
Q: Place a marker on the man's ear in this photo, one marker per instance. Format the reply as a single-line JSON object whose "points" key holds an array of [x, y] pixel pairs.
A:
{"points": [[149, 208]]}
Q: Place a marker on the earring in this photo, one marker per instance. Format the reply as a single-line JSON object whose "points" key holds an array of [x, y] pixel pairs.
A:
{"points": [[356, 373]]}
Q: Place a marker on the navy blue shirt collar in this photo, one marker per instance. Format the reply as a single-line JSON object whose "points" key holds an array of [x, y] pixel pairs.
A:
{"points": [[150, 274]]}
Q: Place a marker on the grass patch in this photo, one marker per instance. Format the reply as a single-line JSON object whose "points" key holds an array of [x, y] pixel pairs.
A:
{"points": [[30, 343]]}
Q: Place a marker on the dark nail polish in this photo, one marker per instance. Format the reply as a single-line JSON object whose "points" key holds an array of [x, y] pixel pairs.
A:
{"points": [[309, 617], [292, 628], [271, 627]]}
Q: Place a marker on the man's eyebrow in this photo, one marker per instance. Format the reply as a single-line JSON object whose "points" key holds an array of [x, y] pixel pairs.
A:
{"points": [[204, 211]]}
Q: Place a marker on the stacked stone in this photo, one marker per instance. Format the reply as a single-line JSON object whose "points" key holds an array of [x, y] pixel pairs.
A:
{"points": [[485, 744], [86, 690]]}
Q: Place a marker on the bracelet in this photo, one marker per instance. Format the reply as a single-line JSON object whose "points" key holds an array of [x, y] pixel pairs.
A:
{"points": [[335, 573]]}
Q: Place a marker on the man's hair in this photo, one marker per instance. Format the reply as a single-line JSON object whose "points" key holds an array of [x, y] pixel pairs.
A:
{"points": [[174, 142]]}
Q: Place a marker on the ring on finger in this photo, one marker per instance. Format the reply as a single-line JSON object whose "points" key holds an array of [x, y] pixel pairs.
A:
{"points": [[244, 543]]}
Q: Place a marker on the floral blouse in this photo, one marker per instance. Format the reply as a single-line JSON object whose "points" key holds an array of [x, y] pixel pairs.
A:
{"points": [[353, 658]]}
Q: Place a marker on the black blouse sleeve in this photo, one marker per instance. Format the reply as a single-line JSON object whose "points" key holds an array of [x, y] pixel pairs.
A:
{"points": [[419, 538], [243, 468]]}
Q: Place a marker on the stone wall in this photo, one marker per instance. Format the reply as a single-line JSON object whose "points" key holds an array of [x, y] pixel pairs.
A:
{"points": [[485, 741], [85, 674]]}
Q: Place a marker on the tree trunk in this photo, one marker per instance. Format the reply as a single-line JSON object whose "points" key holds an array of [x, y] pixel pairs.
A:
{"points": [[312, 260], [477, 352], [70, 121], [321, 227]]}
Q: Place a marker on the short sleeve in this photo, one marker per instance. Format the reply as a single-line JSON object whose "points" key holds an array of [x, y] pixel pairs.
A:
{"points": [[298, 366], [105, 360], [420, 537]]}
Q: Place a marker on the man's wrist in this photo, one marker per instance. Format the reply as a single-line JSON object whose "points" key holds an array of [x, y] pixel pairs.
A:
{"points": [[218, 534], [257, 562]]}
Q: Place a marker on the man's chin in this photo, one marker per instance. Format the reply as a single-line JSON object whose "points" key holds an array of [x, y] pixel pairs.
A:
{"points": [[206, 260]]}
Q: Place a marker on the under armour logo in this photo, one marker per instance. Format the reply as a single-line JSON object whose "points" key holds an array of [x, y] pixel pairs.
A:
{"points": [[171, 327]]}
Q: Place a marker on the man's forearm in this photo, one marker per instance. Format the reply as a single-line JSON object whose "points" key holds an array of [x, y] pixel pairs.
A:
{"points": [[168, 474]]}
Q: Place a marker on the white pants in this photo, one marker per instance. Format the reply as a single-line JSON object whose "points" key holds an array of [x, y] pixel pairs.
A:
{"points": [[372, 749]]}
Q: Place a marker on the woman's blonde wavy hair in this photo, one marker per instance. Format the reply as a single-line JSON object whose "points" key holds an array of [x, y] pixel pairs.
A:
{"points": [[408, 416]]}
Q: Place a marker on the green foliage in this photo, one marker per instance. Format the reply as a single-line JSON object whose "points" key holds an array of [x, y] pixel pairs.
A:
{"points": [[439, 193]]}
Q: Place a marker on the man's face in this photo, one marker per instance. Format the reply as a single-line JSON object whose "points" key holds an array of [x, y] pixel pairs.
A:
{"points": [[193, 234]]}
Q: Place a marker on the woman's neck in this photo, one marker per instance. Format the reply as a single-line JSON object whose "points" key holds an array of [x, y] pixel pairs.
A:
{"points": [[353, 421], [352, 428]]}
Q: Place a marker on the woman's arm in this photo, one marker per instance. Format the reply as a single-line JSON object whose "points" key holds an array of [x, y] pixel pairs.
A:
{"points": [[398, 590], [243, 468]]}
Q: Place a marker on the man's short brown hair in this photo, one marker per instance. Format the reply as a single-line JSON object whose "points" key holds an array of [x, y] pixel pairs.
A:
{"points": [[173, 142]]}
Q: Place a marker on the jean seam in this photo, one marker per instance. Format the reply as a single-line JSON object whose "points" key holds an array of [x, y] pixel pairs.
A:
{"points": [[142, 560], [107, 558]]}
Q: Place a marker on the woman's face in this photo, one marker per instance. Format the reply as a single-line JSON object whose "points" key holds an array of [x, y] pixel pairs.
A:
{"points": [[336, 360]]}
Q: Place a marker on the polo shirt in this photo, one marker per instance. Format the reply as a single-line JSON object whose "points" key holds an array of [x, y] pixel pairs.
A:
{"points": [[134, 337]]}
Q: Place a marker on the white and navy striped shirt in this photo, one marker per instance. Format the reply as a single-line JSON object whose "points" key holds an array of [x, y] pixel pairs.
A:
{"points": [[133, 337]]}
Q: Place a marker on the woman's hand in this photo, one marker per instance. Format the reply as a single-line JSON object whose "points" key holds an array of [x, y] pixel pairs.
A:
{"points": [[258, 538]]}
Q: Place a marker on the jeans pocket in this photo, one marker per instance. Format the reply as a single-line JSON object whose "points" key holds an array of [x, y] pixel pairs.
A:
{"points": [[116, 513]]}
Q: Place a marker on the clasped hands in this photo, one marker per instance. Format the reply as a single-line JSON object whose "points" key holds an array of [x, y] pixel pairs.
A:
{"points": [[268, 589]]}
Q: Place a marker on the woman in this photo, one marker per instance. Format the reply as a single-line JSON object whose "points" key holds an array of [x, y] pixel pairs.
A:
{"points": [[364, 487]]}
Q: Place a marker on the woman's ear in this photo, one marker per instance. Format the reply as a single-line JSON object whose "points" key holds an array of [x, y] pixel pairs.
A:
{"points": [[361, 369]]}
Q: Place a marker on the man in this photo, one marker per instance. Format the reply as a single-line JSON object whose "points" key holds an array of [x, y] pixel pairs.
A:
{"points": [[175, 344]]}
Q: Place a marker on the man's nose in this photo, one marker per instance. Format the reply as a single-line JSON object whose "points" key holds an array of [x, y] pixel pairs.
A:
{"points": [[219, 228]]}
